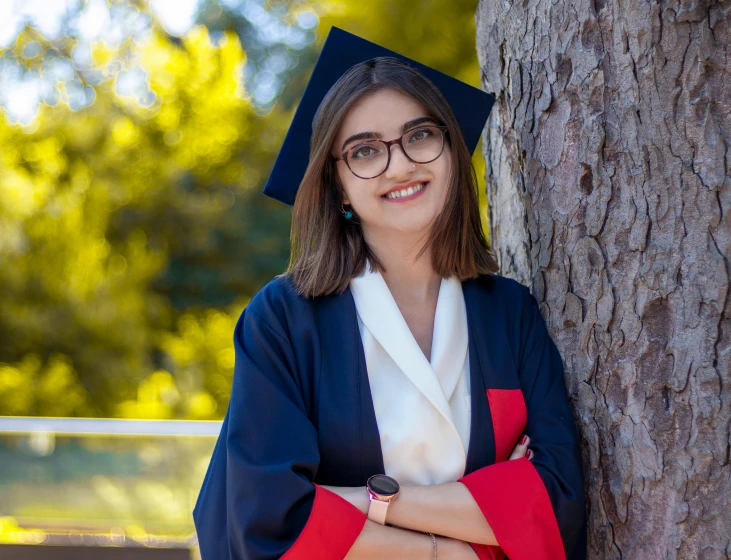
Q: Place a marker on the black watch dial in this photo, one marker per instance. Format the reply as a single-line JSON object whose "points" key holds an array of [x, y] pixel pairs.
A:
{"points": [[383, 484]]}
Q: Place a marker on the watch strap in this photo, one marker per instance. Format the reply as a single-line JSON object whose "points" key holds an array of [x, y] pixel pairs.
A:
{"points": [[377, 511]]}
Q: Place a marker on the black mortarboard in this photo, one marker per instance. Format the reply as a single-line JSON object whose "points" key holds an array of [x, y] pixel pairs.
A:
{"points": [[341, 51]]}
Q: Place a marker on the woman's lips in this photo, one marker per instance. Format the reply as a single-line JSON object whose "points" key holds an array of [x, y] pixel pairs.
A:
{"points": [[410, 197]]}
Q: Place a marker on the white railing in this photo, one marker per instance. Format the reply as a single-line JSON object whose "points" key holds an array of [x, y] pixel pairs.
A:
{"points": [[107, 426]]}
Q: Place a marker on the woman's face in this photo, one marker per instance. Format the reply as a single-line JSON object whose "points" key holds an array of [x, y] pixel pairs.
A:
{"points": [[385, 113]]}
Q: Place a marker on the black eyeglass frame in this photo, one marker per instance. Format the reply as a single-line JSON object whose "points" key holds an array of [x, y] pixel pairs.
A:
{"points": [[390, 143]]}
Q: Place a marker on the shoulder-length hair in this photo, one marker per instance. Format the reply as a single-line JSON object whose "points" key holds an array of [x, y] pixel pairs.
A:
{"points": [[326, 249]]}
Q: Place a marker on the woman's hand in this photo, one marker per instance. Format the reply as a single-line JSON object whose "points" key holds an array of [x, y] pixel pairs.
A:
{"points": [[521, 450]]}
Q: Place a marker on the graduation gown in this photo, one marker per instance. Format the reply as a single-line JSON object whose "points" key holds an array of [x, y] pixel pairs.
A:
{"points": [[301, 415]]}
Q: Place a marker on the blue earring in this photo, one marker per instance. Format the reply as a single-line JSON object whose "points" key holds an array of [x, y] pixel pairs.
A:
{"points": [[347, 213]]}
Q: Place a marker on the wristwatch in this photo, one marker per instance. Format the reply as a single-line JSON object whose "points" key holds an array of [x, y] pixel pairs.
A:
{"points": [[382, 489]]}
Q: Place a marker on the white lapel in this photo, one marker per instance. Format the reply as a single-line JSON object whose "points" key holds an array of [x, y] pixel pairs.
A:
{"points": [[421, 411], [382, 317], [449, 341]]}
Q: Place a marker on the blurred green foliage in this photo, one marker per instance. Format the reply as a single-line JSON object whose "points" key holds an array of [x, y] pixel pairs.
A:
{"points": [[132, 236]]}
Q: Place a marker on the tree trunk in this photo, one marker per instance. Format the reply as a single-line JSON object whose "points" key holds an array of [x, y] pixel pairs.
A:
{"points": [[608, 180]]}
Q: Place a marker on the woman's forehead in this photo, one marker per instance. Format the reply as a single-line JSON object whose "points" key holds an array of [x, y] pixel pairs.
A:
{"points": [[383, 112]]}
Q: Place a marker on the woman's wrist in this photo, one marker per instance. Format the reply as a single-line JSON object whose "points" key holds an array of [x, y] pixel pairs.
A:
{"points": [[358, 496], [433, 538]]}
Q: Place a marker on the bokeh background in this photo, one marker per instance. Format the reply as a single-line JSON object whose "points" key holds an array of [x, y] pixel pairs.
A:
{"points": [[135, 139]]}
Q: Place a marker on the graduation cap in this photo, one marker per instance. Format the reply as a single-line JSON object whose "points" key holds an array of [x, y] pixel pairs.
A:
{"points": [[342, 51]]}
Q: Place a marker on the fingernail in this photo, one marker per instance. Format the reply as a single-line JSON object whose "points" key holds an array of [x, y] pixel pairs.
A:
{"points": [[527, 453], [523, 439]]}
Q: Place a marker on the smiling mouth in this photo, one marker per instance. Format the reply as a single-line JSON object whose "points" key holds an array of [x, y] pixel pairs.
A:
{"points": [[406, 194]]}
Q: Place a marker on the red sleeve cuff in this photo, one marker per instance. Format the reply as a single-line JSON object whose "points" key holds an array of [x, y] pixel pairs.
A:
{"points": [[332, 528], [515, 503], [486, 552]]}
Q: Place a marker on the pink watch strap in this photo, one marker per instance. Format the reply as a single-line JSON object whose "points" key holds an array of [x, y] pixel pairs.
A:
{"points": [[377, 511]]}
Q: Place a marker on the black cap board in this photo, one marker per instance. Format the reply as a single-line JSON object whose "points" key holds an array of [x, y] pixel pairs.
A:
{"points": [[341, 51]]}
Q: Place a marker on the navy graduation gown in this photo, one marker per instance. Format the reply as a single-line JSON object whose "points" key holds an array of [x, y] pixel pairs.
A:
{"points": [[301, 416]]}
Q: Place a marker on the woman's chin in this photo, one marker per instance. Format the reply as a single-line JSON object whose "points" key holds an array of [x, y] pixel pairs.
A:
{"points": [[413, 222], [407, 227]]}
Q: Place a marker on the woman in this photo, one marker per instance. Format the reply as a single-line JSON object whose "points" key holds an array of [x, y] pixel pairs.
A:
{"points": [[382, 383]]}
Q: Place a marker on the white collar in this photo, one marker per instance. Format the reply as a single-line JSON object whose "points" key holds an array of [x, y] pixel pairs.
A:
{"points": [[436, 379]]}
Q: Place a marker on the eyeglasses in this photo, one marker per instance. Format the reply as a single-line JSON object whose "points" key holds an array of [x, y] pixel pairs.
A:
{"points": [[370, 159]]}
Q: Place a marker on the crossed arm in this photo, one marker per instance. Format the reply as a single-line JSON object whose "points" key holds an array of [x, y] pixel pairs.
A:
{"points": [[447, 510]]}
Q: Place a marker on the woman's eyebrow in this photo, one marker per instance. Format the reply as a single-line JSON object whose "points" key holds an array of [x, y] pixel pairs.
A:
{"points": [[407, 125]]}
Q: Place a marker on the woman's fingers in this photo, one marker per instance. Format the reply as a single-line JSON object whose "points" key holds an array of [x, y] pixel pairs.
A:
{"points": [[521, 450]]}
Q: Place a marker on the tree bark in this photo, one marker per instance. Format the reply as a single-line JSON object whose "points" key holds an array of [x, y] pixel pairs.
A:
{"points": [[608, 181]]}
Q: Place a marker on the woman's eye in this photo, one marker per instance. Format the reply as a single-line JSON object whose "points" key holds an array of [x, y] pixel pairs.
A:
{"points": [[420, 135], [364, 152]]}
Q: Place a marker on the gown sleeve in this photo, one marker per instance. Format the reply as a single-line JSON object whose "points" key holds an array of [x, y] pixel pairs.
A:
{"points": [[258, 500], [535, 507]]}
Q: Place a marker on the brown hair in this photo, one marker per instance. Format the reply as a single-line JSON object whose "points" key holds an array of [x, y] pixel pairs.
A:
{"points": [[326, 249]]}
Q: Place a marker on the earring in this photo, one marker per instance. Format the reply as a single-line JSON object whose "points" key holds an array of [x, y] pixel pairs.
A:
{"points": [[347, 213]]}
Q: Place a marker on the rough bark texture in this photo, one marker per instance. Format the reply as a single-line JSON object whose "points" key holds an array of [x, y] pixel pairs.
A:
{"points": [[608, 179]]}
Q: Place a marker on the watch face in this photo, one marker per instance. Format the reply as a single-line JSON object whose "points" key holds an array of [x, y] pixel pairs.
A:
{"points": [[383, 484]]}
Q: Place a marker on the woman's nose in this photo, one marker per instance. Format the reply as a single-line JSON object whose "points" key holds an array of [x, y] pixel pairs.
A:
{"points": [[400, 165]]}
